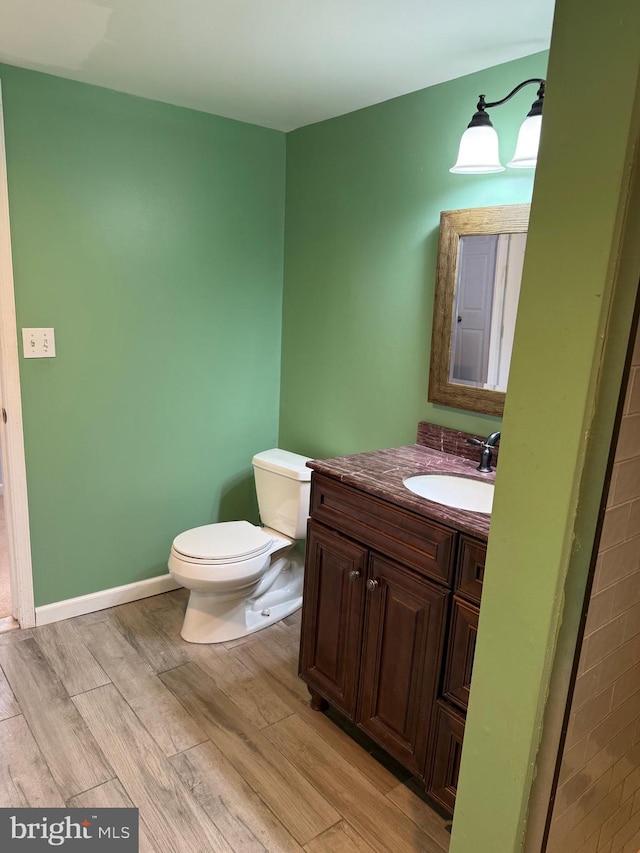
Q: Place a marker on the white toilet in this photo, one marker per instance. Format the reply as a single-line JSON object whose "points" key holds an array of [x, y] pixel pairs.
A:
{"points": [[242, 577]]}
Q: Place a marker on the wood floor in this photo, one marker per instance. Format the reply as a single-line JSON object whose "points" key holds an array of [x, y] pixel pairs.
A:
{"points": [[216, 745]]}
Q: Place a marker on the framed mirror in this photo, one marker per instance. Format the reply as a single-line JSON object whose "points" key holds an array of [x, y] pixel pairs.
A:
{"points": [[480, 258]]}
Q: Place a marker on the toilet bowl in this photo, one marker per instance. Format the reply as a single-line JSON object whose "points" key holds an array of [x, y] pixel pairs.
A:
{"points": [[243, 577]]}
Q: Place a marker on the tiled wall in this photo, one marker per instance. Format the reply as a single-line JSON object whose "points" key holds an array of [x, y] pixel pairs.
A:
{"points": [[452, 441], [597, 807]]}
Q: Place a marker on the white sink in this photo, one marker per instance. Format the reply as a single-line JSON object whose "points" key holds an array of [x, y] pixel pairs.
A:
{"points": [[458, 492]]}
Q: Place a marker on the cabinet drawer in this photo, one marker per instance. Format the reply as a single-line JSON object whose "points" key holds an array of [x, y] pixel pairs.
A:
{"points": [[470, 571], [414, 541], [446, 753], [462, 646]]}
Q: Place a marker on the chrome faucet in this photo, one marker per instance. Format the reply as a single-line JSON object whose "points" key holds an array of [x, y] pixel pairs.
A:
{"points": [[485, 454]]}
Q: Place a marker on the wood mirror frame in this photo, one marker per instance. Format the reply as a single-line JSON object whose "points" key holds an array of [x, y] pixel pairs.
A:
{"points": [[454, 224]]}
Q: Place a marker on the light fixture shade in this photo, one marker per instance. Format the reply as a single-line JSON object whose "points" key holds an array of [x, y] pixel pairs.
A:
{"points": [[526, 155], [478, 152]]}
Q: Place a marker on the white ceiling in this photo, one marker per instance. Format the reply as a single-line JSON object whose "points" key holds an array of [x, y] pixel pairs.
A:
{"points": [[277, 63]]}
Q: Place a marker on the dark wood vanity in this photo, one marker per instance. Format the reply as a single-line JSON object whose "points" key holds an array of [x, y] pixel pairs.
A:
{"points": [[391, 603]]}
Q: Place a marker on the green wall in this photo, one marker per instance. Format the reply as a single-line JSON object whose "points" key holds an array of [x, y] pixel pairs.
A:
{"points": [[579, 287], [364, 195], [151, 238]]}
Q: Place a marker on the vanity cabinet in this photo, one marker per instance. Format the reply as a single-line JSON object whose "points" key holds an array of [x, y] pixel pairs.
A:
{"points": [[390, 600], [451, 707], [373, 623]]}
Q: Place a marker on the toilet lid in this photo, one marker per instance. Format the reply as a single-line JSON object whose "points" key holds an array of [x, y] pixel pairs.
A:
{"points": [[227, 540]]}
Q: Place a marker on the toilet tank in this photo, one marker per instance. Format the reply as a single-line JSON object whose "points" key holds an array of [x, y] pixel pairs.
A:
{"points": [[283, 485]]}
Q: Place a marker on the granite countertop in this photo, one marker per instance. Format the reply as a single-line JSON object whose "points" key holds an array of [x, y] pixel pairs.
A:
{"points": [[381, 472]]}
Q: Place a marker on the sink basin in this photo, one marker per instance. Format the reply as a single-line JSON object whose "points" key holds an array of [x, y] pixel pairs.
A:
{"points": [[458, 492]]}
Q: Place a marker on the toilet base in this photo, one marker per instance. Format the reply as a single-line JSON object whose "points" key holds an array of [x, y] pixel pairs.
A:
{"points": [[210, 620]]}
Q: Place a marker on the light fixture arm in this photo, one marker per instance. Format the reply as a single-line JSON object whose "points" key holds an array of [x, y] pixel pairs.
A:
{"points": [[482, 104], [481, 117]]}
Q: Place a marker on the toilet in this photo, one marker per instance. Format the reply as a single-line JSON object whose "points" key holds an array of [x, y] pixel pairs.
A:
{"points": [[242, 577]]}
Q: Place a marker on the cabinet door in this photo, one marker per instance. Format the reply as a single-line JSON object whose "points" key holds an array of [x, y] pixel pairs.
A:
{"points": [[448, 734], [462, 647], [332, 613], [403, 636]]}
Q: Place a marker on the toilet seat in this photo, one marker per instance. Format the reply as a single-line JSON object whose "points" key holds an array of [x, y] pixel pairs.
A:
{"points": [[222, 543], [230, 557]]}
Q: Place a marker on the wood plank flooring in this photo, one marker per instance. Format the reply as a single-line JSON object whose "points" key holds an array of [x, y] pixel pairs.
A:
{"points": [[216, 745]]}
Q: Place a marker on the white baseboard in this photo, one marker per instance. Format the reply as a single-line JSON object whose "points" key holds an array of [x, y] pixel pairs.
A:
{"points": [[103, 599]]}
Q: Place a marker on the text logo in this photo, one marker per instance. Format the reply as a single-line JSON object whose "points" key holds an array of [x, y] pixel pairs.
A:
{"points": [[103, 830]]}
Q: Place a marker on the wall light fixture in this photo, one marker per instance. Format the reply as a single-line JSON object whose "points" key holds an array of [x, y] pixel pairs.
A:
{"points": [[478, 152]]}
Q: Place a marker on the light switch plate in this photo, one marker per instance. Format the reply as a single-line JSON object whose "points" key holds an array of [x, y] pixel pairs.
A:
{"points": [[38, 343]]}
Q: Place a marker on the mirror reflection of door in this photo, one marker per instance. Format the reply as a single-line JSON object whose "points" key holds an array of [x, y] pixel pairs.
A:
{"points": [[472, 316], [487, 291]]}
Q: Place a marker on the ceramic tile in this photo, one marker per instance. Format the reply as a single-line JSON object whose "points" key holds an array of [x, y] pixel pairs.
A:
{"points": [[627, 761], [586, 688], [614, 529], [573, 759], [610, 660], [599, 582], [631, 782], [626, 686], [591, 844], [629, 437], [568, 796], [626, 834], [567, 837], [614, 723], [566, 822], [632, 626], [618, 662], [627, 593], [603, 641], [584, 720], [619, 561], [602, 751], [626, 485], [600, 610], [632, 405], [594, 770], [633, 526], [583, 805], [633, 845], [612, 484]]}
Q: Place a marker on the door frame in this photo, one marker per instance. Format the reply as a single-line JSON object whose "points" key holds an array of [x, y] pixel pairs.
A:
{"points": [[11, 432]]}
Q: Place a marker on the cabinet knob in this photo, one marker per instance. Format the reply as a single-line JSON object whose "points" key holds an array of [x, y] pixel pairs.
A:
{"points": [[372, 584], [354, 575]]}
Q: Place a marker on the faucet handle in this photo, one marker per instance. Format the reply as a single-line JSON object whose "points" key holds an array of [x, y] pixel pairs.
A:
{"points": [[477, 441]]}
